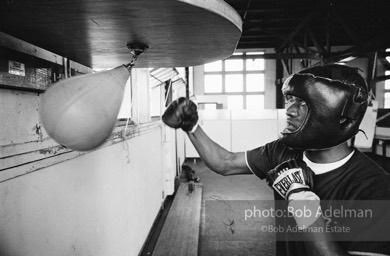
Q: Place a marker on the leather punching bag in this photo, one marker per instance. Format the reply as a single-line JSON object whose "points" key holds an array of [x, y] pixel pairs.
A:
{"points": [[80, 112]]}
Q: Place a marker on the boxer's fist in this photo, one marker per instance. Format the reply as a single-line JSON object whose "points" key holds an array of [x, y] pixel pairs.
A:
{"points": [[181, 113], [291, 177]]}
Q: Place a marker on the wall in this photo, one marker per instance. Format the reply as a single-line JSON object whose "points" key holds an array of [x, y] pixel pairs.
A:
{"points": [[101, 203], [239, 130], [55, 201]]}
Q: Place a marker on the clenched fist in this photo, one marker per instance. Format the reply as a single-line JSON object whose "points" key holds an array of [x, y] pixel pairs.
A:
{"points": [[291, 177], [181, 113]]}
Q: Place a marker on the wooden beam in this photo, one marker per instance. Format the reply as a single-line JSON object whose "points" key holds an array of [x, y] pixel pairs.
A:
{"points": [[261, 10], [384, 62], [382, 78], [246, 10], [18, 45], [26, 67], [372, 64], [328, 29], [317, 9], [283, 37], [365, 47], [273, 56], [279, 84], [346, 27], [313, 38]]}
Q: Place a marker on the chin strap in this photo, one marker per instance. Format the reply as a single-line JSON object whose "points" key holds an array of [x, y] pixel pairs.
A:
{"points": [[365, 135], [353, 105]]}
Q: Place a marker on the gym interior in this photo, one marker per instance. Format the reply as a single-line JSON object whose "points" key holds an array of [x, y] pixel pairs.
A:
{"points": [[93, 170]]}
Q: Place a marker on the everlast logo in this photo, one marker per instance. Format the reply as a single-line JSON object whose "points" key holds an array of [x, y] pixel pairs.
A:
{"points": [[286, 178]]}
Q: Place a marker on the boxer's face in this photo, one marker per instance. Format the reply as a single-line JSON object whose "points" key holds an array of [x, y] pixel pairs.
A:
{"points": [[296, 111]]}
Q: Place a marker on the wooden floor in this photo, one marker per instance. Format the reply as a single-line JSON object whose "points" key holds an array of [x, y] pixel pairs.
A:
{"points": [[224, 230], [220, 217], [214, 214]]}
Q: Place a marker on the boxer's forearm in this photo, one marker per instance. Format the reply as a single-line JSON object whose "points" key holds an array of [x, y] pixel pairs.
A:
{"points": [[317, 240], [321, 243], [216, 157]]}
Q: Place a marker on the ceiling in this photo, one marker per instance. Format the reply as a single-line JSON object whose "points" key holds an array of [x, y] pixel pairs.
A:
{"points": [[311, 28], [94, 33]]}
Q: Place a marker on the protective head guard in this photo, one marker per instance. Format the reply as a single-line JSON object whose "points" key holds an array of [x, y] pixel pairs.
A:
{"points": [[336, 97]]}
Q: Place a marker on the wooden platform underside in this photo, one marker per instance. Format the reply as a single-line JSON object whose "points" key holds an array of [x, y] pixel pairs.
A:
{"points": [[179, 33]]}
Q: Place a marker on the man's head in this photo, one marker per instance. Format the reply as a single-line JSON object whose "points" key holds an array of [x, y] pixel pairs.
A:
{"points": [[335, 98]]}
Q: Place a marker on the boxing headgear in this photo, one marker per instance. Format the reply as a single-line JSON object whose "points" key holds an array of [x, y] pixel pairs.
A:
{"points": [[337, 99]]}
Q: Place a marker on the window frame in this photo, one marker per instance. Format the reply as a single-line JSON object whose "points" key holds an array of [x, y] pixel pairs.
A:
{"points": [[386, 90], [244, 72]]}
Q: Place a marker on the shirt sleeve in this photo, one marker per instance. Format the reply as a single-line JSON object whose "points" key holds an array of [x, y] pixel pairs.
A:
{"points": [[262, 159]]}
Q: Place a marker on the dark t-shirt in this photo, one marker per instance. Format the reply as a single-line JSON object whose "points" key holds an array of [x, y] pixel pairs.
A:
{"points": [[358, 179]]}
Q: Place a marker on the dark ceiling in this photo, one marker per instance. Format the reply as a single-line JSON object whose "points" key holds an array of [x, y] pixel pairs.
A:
{"points": [[311, 28], [94, 33]]}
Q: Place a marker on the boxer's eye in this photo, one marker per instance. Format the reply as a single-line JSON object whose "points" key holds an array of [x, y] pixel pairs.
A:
{"points": [[289, 100], [300, 102], [294, 100]]}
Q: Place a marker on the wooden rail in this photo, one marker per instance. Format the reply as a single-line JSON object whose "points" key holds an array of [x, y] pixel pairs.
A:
{"points": [[180, 233]]}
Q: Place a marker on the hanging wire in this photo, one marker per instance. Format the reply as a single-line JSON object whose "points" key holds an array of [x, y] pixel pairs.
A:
{"points": [[135, 49], [124, 136]]}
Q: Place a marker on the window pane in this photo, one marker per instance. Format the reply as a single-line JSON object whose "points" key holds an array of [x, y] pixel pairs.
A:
{"points": [[387, 82], [387, 99], [212, 83], [213, 66], [235, 102], [255, 102], [234, 65], [255, 82], [254, 53], [234, 83], [255, 64]]}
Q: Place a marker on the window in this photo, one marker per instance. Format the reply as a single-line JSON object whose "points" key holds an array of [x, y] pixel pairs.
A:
{"points": [[387, 91], [240, 78], [214, 83], [235, 101]]}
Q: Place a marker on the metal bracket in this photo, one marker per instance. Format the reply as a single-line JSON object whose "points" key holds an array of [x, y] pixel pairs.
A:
{"points": [[136, 49]]}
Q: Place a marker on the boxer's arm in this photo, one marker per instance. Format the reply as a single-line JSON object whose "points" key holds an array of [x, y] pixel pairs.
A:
{"points": [[217, 158], [183, 113], [294, 181], [320, 243]]}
